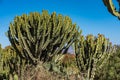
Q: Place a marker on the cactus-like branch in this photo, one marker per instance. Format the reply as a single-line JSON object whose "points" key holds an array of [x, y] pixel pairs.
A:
{"points": [[41, 36], [92, 53], [111, 7], [11, 63]]}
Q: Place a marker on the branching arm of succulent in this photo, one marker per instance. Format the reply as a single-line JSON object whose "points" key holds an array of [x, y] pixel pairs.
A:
{"points": [[111, 7], [39, 37], [92, 53]]}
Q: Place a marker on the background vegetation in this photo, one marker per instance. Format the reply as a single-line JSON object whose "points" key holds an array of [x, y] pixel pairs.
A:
{"points": [[39, 45]]}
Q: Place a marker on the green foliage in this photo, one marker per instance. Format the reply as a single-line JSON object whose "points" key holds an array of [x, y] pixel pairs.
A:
{"points": [[7, 55], [65, 66], [1, 63], [0, 57], [39, 37], [15, 77], [112, 8], [111, 70], [92, 54], [68, 64], [11, 63]]}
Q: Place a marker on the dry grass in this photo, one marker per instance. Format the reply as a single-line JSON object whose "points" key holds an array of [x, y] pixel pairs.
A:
{"points": [[40, 73]]}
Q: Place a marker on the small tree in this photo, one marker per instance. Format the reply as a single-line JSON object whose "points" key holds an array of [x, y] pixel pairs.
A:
{"points": [[91, 54], [111, 70], [9, 62], [1, 62], [39, 37]]}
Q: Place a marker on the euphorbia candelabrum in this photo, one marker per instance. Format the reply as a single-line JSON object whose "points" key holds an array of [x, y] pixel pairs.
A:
{"points": [[91, 54], [39, 37]]}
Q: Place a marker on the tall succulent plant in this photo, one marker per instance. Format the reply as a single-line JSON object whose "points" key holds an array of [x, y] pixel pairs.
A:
{"points": [[12, 64], [111, 7], [41, 36], [1, 62], [91, 54], [8, 56]]}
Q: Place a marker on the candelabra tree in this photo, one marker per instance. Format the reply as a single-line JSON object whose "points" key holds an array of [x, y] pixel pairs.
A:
{"points": [[12, 65], [9, 62], [1, 68], [39, 37], [112, 8], [91, 54], [110, 71]]}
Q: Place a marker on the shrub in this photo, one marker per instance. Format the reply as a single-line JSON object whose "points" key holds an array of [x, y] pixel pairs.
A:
{"points": [[92, 53], [39, 37]]}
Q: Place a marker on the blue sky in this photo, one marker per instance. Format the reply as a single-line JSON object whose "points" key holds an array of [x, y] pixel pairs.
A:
{"points": [[91, 15]]}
